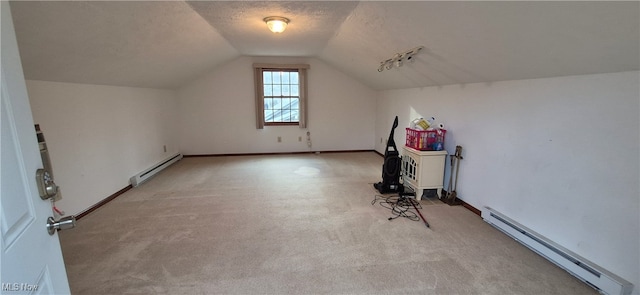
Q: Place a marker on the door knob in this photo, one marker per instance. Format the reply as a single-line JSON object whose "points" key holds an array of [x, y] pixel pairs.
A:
{"points": [[66, 222]]}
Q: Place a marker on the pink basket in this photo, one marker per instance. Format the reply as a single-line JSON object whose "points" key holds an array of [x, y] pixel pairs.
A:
{"points": [[426, 140]]}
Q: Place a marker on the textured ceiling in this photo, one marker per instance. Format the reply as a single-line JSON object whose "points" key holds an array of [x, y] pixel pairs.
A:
{"points": [[241, 23], [481, 41], [144, 44], [167, 44]]}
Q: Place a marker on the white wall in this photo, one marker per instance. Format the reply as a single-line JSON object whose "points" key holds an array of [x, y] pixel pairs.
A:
{"points": [[217, 112], [559, 155], [100, 136]]}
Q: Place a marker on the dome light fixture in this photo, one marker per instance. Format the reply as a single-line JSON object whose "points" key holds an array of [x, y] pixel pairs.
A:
{"points": [[276, 24]]}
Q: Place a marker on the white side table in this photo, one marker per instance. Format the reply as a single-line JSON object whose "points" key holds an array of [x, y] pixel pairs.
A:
{"points": [[423, 170]]}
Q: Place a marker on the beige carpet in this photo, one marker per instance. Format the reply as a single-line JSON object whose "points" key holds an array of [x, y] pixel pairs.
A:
{"points": [[292, 224]]}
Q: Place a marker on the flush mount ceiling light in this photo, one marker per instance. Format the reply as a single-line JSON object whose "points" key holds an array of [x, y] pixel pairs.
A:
{"points": [[276, 24], [399, 59]]}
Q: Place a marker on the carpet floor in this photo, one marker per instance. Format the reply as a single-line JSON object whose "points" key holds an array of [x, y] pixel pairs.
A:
{"points": [[292, 224]]}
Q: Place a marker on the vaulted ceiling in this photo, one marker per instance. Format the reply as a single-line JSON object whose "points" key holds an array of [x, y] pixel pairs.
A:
{"points": [[167, 44]]}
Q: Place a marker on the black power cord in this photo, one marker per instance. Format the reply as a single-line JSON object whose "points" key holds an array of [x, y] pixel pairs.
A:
{"points": [[400, 206]]}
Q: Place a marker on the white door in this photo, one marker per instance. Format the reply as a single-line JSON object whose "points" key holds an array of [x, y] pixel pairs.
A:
{"points": [[31, 259]]}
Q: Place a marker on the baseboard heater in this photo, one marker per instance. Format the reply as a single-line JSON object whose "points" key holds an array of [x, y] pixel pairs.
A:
{"points": [[593, 275], [148, 173]]}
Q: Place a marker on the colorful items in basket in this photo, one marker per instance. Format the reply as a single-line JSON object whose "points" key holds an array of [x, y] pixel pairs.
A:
{"points": [[421, 136], [422, 124]]}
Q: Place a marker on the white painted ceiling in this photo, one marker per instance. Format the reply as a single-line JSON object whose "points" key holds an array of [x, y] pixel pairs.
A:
{"points": [[167, 44]]}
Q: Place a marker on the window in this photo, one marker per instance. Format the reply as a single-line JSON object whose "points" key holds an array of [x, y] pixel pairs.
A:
{"points": [[280, 95]]}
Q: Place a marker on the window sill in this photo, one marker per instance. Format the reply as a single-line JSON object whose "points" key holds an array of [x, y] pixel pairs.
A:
{"points": [[281, 123]]}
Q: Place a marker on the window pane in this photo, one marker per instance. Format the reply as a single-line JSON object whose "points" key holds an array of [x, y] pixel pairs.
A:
{"points": [[285, 90], [286, 103], [277, 116], [281, 96], [268, 115], [276, 104], [276, 77], [268, 90], [286, 115], [266, 77], [277, 90]]}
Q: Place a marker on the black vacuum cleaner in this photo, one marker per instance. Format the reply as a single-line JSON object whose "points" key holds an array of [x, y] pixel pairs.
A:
{"points": [[391, 167]]}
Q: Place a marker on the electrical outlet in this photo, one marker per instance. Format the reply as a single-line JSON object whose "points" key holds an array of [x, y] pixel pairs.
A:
{"points": [[300, 138], [381, 139], [164, 147], [279, 139]]}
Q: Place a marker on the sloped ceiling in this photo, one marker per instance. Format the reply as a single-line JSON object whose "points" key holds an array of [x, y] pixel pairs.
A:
{"points": [[167, 44]]}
